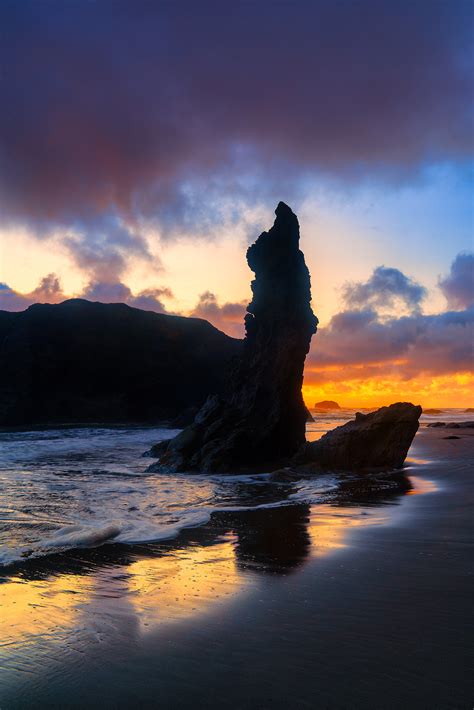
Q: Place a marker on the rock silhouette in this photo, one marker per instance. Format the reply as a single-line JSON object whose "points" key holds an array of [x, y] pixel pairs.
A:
{"points": [[94, 362], [452, 425], [260, 420], [377, 440], [326, 404]]}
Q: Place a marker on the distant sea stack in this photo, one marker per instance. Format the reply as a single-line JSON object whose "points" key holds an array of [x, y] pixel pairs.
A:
{"points": [[260, 419], [326, 404], [94, 362]]}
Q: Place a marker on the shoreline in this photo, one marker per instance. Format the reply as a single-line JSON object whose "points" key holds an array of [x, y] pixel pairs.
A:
{"points": [[362, 605]]}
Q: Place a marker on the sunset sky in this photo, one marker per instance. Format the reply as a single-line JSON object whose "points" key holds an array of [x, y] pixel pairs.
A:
{"points": [[144, 145]]}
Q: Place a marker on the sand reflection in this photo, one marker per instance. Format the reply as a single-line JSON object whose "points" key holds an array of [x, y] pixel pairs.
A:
{"points": [[421, 486], [54, 616], [122, 595], [330, 526], [39, 608], [183, 583], [103, 600]]}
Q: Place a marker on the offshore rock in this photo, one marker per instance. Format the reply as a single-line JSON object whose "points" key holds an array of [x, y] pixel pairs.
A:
{"points": [[379, 440], [259, 422], [326, 404]]}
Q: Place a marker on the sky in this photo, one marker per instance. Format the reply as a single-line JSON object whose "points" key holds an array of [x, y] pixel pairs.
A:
{"points": [[144, 145]]}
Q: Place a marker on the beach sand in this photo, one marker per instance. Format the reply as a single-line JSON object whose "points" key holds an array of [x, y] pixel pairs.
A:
{"points": [[349, 604]]}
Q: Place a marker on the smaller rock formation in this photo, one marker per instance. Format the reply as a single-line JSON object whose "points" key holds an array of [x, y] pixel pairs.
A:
{"points": [[469, 410], [452, 425], [326, 404], [379, 440], [432, 411], [309, 416]]}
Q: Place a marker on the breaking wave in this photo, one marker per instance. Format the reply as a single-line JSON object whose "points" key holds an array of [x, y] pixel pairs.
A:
{"points": [[77, 488]]}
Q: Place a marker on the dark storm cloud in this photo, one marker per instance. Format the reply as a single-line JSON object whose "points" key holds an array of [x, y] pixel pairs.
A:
{"points": [[385, 289], [134, 108], [458, 285]]}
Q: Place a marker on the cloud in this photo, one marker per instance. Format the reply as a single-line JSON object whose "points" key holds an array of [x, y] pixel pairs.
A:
{"points": [[409, 345], [364, 341], [458, 285], [136, 109], [228, 317], [49, 290], [103, 246], [387, 288], [148, 300]]}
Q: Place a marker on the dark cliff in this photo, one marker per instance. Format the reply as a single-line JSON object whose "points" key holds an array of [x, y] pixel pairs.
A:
{"points": [[92, 362]]}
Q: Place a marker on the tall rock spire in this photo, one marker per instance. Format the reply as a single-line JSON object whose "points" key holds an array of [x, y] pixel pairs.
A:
{"points": [[260, 421]]}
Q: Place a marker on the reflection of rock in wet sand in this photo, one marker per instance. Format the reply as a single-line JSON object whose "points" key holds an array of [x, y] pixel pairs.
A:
{"points": [[272, 539]]}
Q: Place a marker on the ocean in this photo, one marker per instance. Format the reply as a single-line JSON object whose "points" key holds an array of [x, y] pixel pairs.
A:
{"points": [[83, 487]]}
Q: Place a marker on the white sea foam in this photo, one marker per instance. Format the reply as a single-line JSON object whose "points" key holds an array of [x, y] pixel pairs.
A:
{"points": [[82, 536]]}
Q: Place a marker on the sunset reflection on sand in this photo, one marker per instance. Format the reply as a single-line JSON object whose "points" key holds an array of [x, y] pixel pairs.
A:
{"points": [[54, 614]]}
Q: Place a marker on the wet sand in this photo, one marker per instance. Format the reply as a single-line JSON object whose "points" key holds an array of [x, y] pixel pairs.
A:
{"points": [[362, 603]]}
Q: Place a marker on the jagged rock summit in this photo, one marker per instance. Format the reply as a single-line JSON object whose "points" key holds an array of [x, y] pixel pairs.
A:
{"points": [[259, 422]]}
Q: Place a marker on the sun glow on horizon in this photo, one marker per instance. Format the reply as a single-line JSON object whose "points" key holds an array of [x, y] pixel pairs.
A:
{"points": [[453, 390]]}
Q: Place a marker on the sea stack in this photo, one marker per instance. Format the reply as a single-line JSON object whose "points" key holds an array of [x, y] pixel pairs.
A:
{"points": [[259, 422]]}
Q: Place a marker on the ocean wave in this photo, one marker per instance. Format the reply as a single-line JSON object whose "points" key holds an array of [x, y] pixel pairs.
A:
{"points": [[140, 530]]}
